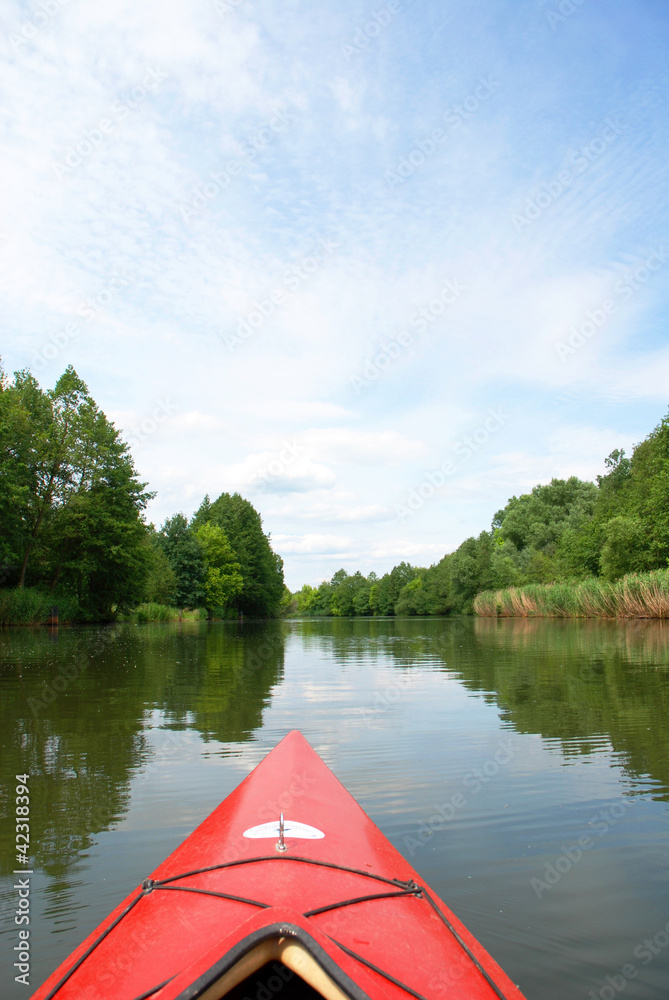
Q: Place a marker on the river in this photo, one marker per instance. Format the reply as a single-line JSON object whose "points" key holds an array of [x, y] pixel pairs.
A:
{"points": [[522, 766]]}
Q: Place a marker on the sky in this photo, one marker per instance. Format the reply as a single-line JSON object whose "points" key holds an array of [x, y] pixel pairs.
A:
{"points": [[376, 266]]}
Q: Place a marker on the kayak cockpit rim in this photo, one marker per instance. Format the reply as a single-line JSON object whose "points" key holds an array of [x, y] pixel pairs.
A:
{"points": [[285, 943]]}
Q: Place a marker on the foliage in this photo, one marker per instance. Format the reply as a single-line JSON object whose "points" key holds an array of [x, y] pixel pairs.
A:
{"points": [[71, 504], [222, 560], [623, 547], [260, 567], [30, 606], [161, 580], [71, 509], [155, 612], [186, 559], [540, 546], [223, 581]]}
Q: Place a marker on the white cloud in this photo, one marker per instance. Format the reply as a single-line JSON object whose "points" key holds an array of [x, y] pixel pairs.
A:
{"points": [[313, 544], [193, 281], [196, 423], [343, 445]]}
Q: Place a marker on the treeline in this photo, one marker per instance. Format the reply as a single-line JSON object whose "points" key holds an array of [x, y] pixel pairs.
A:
{"points": [[220, 560], [564, 532], [72, 527]]}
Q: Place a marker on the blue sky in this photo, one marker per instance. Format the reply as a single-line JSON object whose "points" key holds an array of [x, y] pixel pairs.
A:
{"points": [[378, 267]]}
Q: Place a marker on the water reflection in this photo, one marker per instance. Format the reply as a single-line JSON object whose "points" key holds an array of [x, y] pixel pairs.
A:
{"points": [[74, 713], [577, 682], [405, 711]]}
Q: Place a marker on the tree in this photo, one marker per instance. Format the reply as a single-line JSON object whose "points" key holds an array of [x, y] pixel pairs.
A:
{"points": [[645, 496], [186, 559], [539, 519], [350, 595], [306, 599], [223, 581], [71, 501], [413, 599], [389, 587], [470, 571], [623, 548], [261, 568], [161, 580]]}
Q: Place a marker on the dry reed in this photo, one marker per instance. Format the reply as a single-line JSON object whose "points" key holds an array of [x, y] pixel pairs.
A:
{"points": [[638, 595]]}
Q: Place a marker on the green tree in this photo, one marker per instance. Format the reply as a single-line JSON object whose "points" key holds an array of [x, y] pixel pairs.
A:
{"points": [[186, 558], [413, 599], [41, 437], [76, 524], [306, 599], [645, 496], [17, 425], [261, 567], [161, 580], [350, 594], [470, 571], [224, 580], [361, 598], [390, 585], [538, 520], [623, 548]]}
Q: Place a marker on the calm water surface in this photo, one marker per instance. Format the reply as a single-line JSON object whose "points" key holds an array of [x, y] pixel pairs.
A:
{"points": [[486, 751]]}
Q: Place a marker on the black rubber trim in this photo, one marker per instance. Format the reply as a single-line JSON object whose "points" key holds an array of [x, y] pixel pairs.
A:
{"points": [[379, 971], [271, 932], [484, 972], [362, 899], [152, 992], [409, 888], [92, 947], [281, 858]]}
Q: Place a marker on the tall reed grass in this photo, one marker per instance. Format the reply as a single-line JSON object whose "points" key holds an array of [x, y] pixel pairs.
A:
{"points": [[152, 612], [638, 595], [30, 606]]}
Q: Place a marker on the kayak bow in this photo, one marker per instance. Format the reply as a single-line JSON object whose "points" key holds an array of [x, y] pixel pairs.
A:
{"points": [[287, 887]]}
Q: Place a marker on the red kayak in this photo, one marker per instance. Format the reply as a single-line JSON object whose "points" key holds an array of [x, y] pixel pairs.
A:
{"points": [[286, 890]]}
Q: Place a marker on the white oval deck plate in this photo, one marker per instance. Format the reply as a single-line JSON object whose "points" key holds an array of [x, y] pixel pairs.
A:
{"points": [[290, 829]]}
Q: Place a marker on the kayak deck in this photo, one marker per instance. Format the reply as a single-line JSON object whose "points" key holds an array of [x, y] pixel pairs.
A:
{"points": [[327, 899]]}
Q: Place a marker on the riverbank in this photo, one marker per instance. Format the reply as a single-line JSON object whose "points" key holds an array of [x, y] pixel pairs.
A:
{"points": [[31, 606], [637, 595], [152, 612]]}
